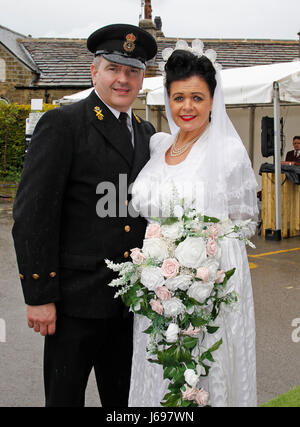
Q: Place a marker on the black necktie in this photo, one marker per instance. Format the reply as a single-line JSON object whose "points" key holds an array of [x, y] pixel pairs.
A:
{"points": [[123, 120]]}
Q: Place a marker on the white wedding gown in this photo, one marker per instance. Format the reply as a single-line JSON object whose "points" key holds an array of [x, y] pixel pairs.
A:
{"points": [[232, 377]]}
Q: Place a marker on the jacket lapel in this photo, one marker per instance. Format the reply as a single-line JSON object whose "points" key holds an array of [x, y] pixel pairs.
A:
{"points": [[108, 125]]}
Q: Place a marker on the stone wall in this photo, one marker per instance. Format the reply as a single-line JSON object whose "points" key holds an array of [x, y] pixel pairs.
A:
{"points": [[13, 72], [15, 78], [24, 95]]}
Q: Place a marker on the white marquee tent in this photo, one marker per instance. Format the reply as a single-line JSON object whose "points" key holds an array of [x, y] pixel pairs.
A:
{"points": [[149, 84], [246, 85], [252, 85]]}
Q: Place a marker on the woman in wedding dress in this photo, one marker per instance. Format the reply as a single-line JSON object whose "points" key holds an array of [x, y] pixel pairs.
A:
{"points": [[204, 162]]}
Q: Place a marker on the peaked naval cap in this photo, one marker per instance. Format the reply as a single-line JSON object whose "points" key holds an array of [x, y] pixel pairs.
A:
{"points": [[123, 44]]}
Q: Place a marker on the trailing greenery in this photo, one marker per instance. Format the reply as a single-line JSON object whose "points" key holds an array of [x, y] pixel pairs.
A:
{"points": [[12, 139]]}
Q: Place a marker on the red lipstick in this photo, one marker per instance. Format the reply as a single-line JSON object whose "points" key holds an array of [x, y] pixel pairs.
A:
{"points": [[187, 118]]}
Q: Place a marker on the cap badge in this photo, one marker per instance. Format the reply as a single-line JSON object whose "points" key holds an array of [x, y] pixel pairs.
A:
{"points": [[129, 45], [99, 114]]}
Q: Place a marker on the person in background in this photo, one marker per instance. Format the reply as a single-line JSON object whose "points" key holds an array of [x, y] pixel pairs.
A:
{"points": [[294, 155]]}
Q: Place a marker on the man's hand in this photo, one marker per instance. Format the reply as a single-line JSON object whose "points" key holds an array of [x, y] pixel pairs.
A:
{"points": [[42, 318]]}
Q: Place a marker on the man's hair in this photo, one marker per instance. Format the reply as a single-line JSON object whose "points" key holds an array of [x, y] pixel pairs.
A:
{"points": [[296, 137], [97, 61]]}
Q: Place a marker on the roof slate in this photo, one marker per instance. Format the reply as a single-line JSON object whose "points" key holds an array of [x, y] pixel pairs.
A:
{"points": [[63, 62], [243, 53], [66, 62], [9, 39]]}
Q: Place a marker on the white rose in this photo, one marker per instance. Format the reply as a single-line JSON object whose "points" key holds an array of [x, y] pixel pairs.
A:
{"points": [[200, 291], [155, 248], [178, 211], [179, 282], [172, 332], [151, 278], [173, 231], [191, 252], [173, 307], [191, 378]]}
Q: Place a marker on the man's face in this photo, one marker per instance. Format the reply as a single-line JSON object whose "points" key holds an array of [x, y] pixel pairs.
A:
{"points": [[296, 144], [118, 85]]}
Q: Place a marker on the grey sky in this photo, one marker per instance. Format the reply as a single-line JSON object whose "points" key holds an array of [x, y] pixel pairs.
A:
{"points": [[181, 18]]}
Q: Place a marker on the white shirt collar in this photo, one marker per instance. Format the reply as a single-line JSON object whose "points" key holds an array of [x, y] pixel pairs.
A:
{"points": [[115, 112]]}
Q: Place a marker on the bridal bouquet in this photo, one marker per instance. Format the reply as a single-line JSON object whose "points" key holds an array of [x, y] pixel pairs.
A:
{"points": [[177, 282]]}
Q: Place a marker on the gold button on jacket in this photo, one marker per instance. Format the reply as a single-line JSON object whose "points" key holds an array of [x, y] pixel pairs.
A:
{"points": [[35, 276], [126, 254], [127, 228]]}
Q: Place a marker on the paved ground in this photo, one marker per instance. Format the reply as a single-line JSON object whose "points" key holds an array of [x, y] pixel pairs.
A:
{"points": [[276, 287]]}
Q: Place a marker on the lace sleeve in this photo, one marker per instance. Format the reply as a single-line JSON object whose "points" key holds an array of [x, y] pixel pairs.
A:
{"points": [[242, 191]]}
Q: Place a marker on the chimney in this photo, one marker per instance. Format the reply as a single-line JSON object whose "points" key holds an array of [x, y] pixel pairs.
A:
{"points": [[147, 23], [158, 25]]}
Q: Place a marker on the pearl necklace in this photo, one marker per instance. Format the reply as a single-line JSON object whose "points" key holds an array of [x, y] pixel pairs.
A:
{"points": [[175, 152]]}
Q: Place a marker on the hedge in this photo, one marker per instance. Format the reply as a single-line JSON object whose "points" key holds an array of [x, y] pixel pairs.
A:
{"points": [[12, 138]]}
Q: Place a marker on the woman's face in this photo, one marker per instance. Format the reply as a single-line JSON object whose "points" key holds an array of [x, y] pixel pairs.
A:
{"points": [[191, 104]]}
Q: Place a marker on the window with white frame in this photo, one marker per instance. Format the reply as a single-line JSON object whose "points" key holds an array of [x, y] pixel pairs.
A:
{"points": [[2, 70]]}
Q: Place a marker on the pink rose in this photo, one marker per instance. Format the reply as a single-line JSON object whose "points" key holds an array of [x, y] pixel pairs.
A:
{"points": [[203, 273], [156, 306], [163, 293], [189, 393], [211, 247], [153, 231], [137, 256], [191, 332], [214, 231], [220, 276], [170, 267], [202, 397]]}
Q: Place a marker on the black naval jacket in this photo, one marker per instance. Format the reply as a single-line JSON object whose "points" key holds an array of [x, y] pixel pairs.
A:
{"points": [[61, 243]]}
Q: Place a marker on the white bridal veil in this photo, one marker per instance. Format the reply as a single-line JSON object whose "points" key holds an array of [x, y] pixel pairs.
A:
{"points": [[230, 183]]}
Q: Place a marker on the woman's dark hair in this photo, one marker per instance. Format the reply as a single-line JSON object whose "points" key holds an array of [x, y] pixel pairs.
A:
{"points": [[183, 64]]}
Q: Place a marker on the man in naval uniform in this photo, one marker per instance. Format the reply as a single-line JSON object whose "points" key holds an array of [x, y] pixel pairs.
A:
{"points": [[63, 234]]}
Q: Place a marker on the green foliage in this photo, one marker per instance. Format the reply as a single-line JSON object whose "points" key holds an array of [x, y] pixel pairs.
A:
{"points": [[291, 399], [12, 139]]}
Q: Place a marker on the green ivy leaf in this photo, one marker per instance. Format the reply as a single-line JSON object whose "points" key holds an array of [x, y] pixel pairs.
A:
{"points": [[212, 329], [190, 342], [215, 346], [170, 221], [210, 219]]}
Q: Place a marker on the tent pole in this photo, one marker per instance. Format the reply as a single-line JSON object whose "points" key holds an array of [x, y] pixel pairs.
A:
{"points": [[277, 159], [251, 133], [147, 111]]}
